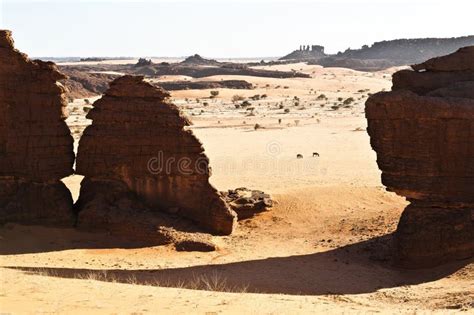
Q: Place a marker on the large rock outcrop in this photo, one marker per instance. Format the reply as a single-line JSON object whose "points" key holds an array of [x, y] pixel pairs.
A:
{"points": [[36, 147], [139, 161], [423, 133]]}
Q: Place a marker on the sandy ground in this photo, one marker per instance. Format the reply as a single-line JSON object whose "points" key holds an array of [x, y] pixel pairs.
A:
{"points": [[323, 248]]}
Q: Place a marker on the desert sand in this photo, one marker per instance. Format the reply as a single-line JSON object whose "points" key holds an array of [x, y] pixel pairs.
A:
{"points": [[321, 249]]}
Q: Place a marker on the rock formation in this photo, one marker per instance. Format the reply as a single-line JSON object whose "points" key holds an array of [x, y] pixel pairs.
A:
{"points": [[139, 161], [423, 133], [408, 51], [36, 147], [82, 84], [305, 53], [143, 62], [198, 60], [391, 53], [247, 203]]}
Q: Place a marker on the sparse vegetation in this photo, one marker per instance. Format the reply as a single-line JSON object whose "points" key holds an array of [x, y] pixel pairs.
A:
{"points": [[245, 104], [237, 98], [348, 101]]}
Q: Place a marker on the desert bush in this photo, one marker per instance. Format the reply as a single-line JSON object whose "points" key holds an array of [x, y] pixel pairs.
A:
{"points": [[286, 111], [237, 98], [87, 101], [348, 101], [214, 93], [245, 104], [205, 104]]}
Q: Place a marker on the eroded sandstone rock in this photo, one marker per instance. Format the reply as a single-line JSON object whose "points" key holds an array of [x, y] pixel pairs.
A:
{"points": [[36, 147], [423, 133], [246, 202], [139, 160]]}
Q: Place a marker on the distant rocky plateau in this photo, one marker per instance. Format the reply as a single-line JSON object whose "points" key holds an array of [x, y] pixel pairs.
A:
{"points": [[93, 79], [383, 54]]}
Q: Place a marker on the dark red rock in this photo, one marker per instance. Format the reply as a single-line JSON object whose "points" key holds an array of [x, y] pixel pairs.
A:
{"points": [[423, 133], [36, 147], [461, 60], [431, 235], [138, 139]]}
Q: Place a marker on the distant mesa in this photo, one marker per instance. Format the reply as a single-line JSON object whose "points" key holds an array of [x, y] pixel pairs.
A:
{"points": [[92, 59], [305, 53], [423, 133], [201, 85], [408, 51], [143, 62], [381, 55], [198, 60]]}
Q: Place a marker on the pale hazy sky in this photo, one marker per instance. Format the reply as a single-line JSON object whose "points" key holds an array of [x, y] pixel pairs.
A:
{"points": [[225, 28]]}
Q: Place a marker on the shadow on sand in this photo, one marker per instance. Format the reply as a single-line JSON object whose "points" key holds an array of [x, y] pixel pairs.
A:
{"points": [[362, 267]]}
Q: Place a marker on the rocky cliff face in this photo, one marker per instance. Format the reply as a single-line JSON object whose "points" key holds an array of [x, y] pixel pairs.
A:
{"points": [[137, 155], [423, 133], [408, 51], [393, 53], [36, 147]]}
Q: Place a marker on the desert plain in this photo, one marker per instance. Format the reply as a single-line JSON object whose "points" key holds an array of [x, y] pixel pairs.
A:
{"points": [[322, 247]]}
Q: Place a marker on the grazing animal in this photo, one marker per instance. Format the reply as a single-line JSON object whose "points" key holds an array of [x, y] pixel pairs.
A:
{"points": [[299, 156], [315, 154]]}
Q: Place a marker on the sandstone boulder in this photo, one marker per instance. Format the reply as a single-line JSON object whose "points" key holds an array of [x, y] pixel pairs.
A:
{"points": [[137, 149], [423, 133], [246, 202], [36, 147]]}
